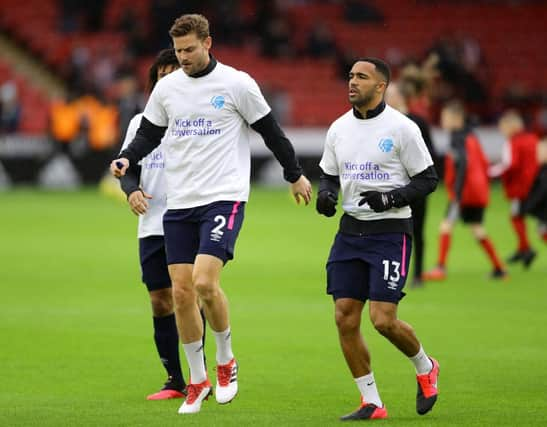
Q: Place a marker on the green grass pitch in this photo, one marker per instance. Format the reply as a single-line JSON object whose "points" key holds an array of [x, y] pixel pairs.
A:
{"points": [[76, 332]]}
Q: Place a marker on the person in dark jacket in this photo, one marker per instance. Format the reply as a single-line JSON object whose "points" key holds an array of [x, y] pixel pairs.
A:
{"points": [[397, 100]]}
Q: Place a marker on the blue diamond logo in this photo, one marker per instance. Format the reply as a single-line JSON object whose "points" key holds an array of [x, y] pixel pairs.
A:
{"points": [[217, 102], [386, 145]]}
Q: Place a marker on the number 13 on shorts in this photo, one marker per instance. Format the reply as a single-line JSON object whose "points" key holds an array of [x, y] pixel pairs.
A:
{"points": [[392, 273]]}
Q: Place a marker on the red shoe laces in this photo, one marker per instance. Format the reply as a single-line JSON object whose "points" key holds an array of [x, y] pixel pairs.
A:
{"points": [[426, 383], [193, 391], [224, 374]]}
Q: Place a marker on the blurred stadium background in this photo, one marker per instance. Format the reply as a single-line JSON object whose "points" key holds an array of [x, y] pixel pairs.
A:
{"points": [[75, 325], [73, 73]]}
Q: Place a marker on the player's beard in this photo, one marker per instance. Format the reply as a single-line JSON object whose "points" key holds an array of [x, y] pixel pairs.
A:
{"points": [[363, 100], [196, 67]]}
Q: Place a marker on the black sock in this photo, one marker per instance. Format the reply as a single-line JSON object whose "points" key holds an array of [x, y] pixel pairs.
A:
{"points": [[203, 338], [167, 343]]}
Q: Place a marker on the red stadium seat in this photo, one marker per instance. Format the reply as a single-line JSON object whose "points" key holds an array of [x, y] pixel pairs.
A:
{"points": [[409, 28]]}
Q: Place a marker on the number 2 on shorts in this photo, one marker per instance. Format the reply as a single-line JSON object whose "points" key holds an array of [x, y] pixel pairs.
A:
{"points": [[221, 223]]}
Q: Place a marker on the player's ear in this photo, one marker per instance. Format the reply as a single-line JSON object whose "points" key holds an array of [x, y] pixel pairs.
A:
{"points": [[207, 42]]}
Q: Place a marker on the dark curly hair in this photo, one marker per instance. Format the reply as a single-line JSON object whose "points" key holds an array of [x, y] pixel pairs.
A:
{"points": [[164, 58]]}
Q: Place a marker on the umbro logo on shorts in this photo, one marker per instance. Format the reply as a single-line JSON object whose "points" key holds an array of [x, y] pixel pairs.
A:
{"points": [[392, 286]]}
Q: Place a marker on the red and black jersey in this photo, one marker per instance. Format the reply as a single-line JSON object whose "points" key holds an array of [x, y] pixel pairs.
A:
{"points": [[523, 167], [466, 170]]}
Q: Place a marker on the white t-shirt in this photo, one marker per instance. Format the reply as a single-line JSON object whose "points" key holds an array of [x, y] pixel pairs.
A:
{"points": [[152, 182], [207, 139], [380, 153]]}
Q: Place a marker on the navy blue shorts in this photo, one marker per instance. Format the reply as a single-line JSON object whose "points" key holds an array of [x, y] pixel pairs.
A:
{"points": [[154, 263], [371, 267], [211, 229]]}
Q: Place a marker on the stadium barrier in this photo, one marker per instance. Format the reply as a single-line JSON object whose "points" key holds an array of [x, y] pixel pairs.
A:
{"points": [[36, 160]]}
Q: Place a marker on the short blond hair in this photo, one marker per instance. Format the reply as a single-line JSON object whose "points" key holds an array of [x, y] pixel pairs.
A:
{"points": [[455, 107], [513, 117], [190, 23]]}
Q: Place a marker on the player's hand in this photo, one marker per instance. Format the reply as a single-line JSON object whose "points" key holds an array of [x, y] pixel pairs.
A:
{"points": [[378, 202], [326, 203], [301, 188], [118, 167], [137, 202]]}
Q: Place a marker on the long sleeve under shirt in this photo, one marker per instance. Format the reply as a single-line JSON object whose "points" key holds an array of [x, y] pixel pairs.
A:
{"points": [[149, 137]]}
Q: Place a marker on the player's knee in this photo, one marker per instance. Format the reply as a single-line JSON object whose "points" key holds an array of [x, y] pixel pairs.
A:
{"points": [[162, 305], [478, 231], [346, 321], [205, 288], [183, 294], [383, 324], [445, 227]]}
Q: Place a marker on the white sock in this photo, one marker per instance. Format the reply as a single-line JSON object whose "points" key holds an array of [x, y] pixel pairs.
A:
{"points": [[194, 356], [422, 362], [367, 387], [224, 346]]}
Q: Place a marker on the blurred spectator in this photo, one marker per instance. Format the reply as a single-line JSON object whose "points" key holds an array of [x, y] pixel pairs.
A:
{"points": [[414, 85], [471, 54], [81, 15], [75, 71], [10, 108], [126, 64], [138, 39], [276, 38], [358, 11], [321, 41], [103, 69], [69, 19], [64, 121], [345, 58], [273, 28], [86, 130], [103, 127], [164, 13], [540, 118], [520, 97], [395, 56], [456, 60], [93, 12], [131, 100], [86, 118], [265, 9], [230, 28]]}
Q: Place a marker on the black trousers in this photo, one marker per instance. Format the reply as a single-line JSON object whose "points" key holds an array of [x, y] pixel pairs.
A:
{"points": [[419, 208], [536, 202]]}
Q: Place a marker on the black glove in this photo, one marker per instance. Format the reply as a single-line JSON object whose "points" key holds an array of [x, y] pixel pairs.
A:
{"points": [[379, 202], [326, 203]]}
